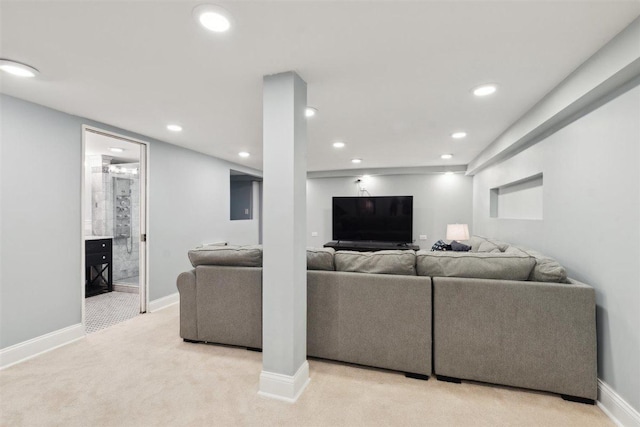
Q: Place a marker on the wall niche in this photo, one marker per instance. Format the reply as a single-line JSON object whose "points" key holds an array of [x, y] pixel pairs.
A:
{"points": [[521, 199]]}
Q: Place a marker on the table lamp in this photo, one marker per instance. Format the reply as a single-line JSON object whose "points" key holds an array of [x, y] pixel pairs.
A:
{"points": [[457, 232]]}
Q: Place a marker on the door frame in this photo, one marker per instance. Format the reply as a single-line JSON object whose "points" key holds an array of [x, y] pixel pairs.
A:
{"points": [[144, 215]]}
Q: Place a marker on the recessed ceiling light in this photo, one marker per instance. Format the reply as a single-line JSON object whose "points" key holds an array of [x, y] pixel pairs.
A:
{"points": [[310, 111], [17, 68], [458, 135], [116, 149], [485, 90], [446, 156], [356, 160], [174, 128], [213, 18], [338, 144], [448, 173], [243, 154]]}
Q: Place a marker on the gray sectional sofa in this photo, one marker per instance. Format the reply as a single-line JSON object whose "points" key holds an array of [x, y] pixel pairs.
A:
{"points": [[498, 314], [378, 317]]}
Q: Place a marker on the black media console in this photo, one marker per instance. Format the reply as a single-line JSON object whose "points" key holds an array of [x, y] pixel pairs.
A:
{"points": [[367, 246]]}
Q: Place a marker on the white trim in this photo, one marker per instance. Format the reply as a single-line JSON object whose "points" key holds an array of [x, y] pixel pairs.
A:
{"points": [[83, 183], [284, 387], [143, 254], [164, 302], [36, 346], [615, 407]]}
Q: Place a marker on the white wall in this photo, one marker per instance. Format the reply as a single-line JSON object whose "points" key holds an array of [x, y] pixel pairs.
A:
{"points": [[591, 202], [40, 179], [40, 203], [438, 200]]}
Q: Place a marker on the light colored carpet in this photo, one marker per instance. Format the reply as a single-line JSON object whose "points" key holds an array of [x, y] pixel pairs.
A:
{"points": [[140, 373], [105, 310]]}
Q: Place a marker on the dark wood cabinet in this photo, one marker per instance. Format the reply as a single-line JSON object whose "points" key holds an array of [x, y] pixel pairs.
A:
{"points": [[98, 266]]}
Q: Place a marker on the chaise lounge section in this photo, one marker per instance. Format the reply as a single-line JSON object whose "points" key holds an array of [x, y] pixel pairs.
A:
{"points": [[536, 335]]}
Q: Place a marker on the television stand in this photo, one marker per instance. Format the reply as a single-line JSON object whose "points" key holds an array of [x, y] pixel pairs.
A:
{"points": [[369, 246]]}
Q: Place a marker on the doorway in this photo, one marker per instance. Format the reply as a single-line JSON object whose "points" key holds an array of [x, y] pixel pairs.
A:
{"points": [[245, 198], [114, 217]]}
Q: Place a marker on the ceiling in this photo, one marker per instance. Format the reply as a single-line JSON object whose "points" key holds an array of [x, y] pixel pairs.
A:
{"points": [[392, 79]]}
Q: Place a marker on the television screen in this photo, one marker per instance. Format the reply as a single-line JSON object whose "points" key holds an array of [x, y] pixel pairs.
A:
{"points": [[383, 219]]}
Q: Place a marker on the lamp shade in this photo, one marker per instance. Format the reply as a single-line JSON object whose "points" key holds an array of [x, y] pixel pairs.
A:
{"points": [[457, 232]]}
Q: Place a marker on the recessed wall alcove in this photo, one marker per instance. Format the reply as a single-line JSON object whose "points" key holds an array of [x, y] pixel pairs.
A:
{"points": [[521, 199]]}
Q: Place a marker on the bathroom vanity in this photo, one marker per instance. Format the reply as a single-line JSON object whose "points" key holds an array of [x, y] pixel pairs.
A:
{"points": [[98, 265]]}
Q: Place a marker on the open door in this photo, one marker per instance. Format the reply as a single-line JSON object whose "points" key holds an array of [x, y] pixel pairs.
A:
{"points": [[114, 224]]}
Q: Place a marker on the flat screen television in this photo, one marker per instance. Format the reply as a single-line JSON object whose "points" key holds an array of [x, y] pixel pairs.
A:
{"points": [[382, 219]]}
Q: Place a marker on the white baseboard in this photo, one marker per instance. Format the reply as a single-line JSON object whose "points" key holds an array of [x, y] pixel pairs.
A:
{"points": [[34, 347], [615, 407], [284, 387], [164, 302]]}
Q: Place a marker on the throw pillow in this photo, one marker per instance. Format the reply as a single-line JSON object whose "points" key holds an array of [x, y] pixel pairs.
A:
{"points": [[459, 247], [440, 245]]}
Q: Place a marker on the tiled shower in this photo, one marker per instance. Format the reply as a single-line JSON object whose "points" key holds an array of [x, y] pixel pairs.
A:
{"points": [[115, 212]]}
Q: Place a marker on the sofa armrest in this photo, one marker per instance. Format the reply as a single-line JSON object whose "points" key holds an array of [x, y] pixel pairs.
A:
{"points": [[229, 305], [187, 288], [525, 334]]}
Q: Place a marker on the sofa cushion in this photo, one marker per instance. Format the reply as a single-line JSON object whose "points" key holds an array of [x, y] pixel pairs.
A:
{"points": [[546, 269], [502, 246], [482, 244], [488, 247], [475, 242], [514, 250], [507, 266], [381, 262], [320, 259], [238, 256]]}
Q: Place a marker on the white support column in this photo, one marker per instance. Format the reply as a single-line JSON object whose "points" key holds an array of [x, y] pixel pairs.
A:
{"points": [[285, 371]]}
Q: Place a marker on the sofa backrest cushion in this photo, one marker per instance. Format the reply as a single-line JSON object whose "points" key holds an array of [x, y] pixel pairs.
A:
{"points": [[238, 256], [320, 259], [507, 266], [381, 262], [502, 246], [546, 269], [484, 245]]}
